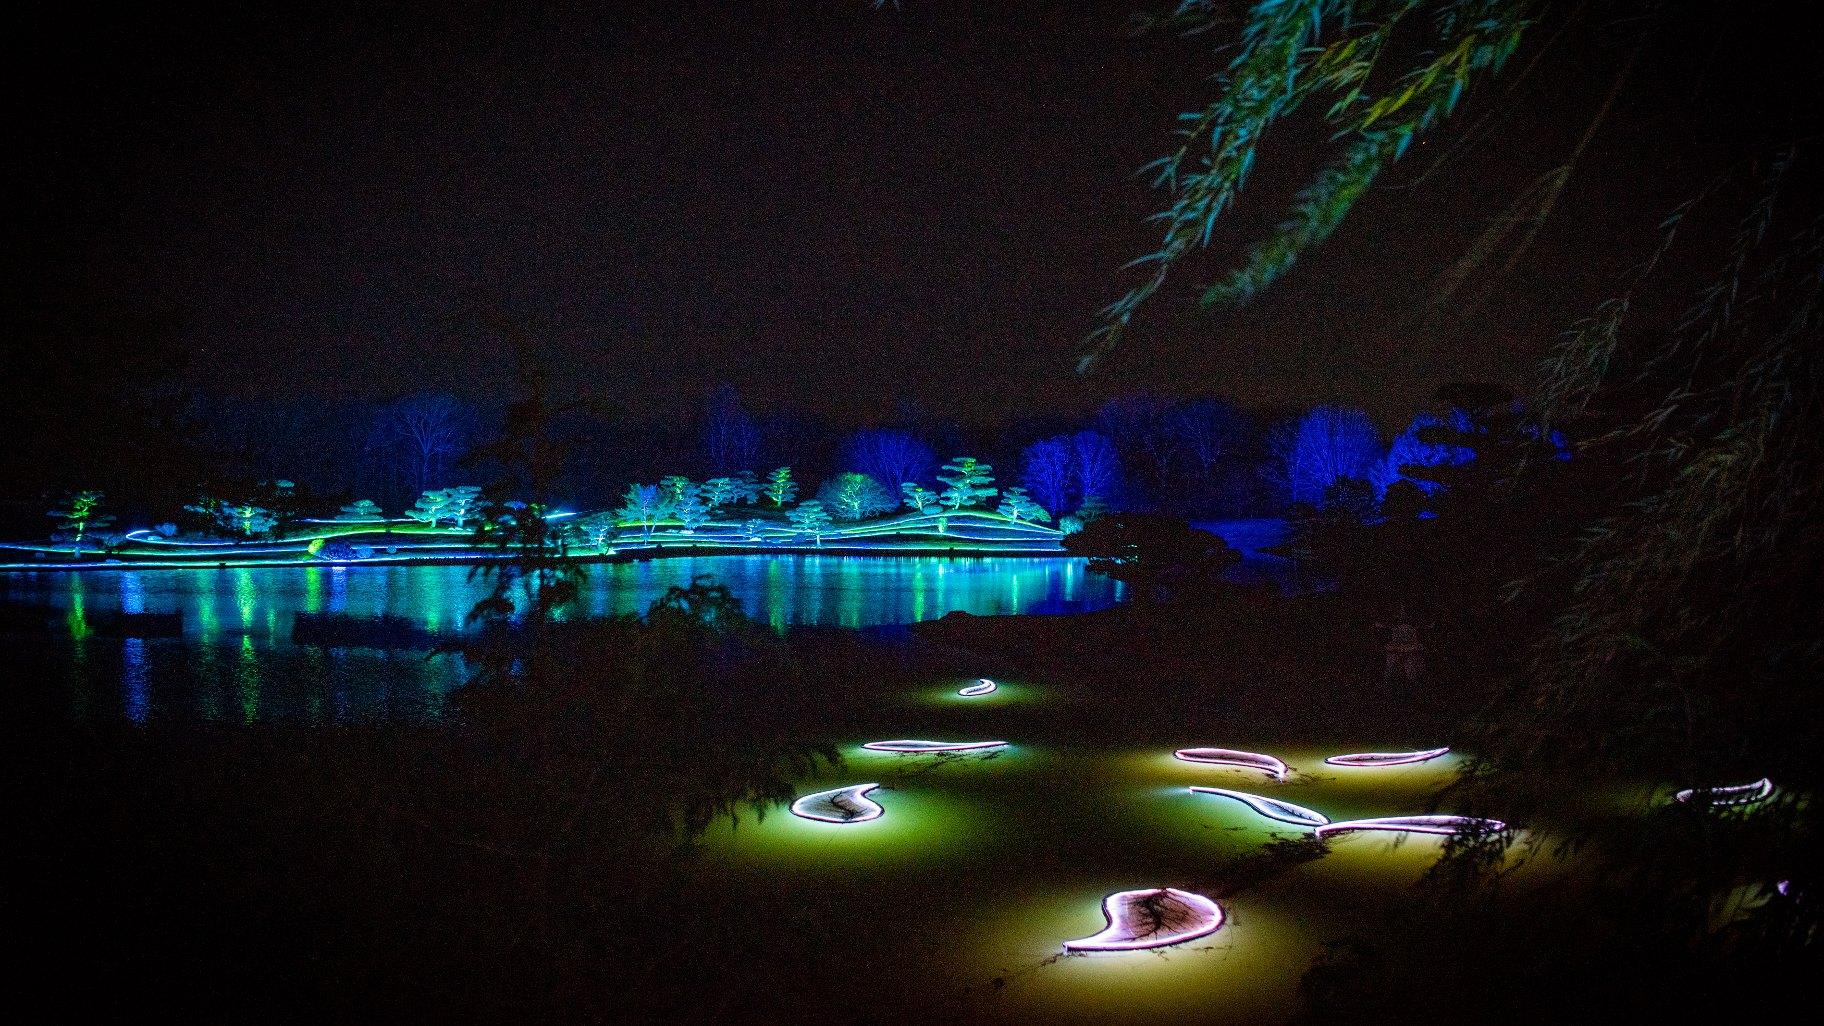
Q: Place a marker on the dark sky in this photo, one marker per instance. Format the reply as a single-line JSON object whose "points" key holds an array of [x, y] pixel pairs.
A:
{"points": [[827, 206]]}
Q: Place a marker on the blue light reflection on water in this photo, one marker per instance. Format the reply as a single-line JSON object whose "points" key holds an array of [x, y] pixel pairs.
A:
{"points": [[236, 661]]}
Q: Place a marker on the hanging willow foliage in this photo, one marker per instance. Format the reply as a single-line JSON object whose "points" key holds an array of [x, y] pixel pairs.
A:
{"points": [[1290, 51]]}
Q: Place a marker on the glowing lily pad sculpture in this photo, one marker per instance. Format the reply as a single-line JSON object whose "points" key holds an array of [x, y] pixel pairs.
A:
{"points": [[977, 690], [1271, 808], [1740, 794], [1230, 757], [1155, 918], [1444, 825], [915, 747], [1370, 759], [842, 805]]}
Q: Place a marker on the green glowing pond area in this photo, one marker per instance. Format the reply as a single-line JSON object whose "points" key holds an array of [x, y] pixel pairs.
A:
{"points": [[983, 864]]}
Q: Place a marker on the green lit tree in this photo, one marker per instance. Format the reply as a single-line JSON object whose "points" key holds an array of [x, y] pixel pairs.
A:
{"points": [[780, 488], [691, 512], [811, 518], [1016, 505], [852, 495], [78, 515], [969, 481], [362, 511], [678, 488], [460, 504], [431, 507], [249, 520], [919, 498], [597, 530], [719, 492]]}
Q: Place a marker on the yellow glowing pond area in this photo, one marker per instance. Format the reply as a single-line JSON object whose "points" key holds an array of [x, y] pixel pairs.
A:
{"points": [[984, 863]]}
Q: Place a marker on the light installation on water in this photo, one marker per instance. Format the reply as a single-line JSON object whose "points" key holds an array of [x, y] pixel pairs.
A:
{"points": [[1271, 808], [1153, 918], [1231, 757], [915, 747], [977, 690], [840, 805], [1740, 794], [1442, 825], [1371, 759]]}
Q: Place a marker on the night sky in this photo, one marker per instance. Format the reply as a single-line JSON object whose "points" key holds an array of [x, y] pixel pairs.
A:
{"points": [[828, 206]]}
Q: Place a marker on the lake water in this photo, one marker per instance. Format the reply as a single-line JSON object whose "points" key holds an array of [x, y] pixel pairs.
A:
{"points": [[236, 659]]}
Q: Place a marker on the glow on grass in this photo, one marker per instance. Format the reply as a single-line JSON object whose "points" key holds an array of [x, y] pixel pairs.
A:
{"points": [[984, 687], [1443, 825], [1231, 757], [1154, 918], [1740, 794], [1386, 758], [1271, 808], [915, 747], [840, 805]]}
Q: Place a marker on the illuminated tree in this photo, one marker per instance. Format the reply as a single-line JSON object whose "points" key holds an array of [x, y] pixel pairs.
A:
{"points": [[1046, 471], [811, 518], [889, 456], [730, 437], [718, 492], [1017, 506], [690, 512], [431, 507], [362, 511], [644, 506], [597, 530], [780, 488], [747, 488], [248, 520], [1095, 466], [678, 488], [460, 504], [970, 482], [852, 496], [1417, 448], [1329, 444], [79, 514], [919, 498]]}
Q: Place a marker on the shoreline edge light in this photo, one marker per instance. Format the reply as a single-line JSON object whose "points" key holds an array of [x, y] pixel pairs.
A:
{"points": [[1232, 757], [1740, 794], [1157, 917], [841, 805], [1442, 825], [911, 746], [984, 687], [1270, 808], [1370, 759]]}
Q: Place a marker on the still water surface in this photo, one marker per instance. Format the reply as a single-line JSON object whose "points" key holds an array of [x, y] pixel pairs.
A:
{"points": [[236, 659]]}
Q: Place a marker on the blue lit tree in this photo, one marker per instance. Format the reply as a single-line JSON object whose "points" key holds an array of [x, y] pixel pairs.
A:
{"points": [[597, 530], [1046, 471], [691, 512], [890, 456], [969, 482], [643, 506], [1417, 448], [812, 519], [852, 495], [1095, 466], [1329, 444], [731, 439]]}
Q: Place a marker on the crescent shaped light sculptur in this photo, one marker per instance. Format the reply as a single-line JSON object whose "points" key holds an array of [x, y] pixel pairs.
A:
{"points": [[1740, 794], [840, 805], [1444, 825], [915, 747], [1364, 759], [985, 687], [1231, 757], [1154, 918], [1271, 808]]}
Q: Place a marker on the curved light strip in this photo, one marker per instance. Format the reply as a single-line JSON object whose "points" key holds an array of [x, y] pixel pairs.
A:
{"points": [[1271, 808], [1386, 758], [913, 747], [986, 687], [1231, 757], [1740, 794], [1445, 825], [1153, 918], [840, 805]]}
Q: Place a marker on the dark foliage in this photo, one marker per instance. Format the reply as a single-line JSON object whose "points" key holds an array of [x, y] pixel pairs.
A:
{"points": [[1161, 558]]}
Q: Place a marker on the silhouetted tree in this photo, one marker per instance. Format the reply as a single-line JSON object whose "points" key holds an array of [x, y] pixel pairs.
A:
{"points": [[1160, 558]]}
